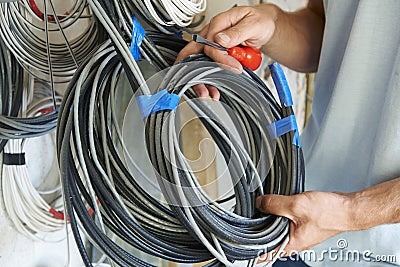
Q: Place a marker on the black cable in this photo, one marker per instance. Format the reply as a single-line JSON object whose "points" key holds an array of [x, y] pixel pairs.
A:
{"points": [[11, 82], [150, 226]]}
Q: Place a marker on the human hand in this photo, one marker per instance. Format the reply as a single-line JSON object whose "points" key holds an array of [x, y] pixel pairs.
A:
{"points": [[314, 217], [248, 26]]}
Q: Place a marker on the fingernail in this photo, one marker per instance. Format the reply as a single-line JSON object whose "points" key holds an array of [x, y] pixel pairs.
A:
{"points": [[223, 37], [258, 202]]}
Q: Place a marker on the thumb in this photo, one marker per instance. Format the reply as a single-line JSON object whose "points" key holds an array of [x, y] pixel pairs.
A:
{"points": [[238, 34], [276, 204]]}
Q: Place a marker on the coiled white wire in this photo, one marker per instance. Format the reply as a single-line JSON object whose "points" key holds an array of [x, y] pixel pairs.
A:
{"points": [[26, 206], [182, 12], [46, 46]]}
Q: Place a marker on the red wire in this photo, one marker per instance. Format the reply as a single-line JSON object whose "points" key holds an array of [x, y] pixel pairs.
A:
{"points": [[39, 13], [60, 215], [46, 110]]}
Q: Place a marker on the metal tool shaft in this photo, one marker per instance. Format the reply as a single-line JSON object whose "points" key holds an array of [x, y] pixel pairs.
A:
{"points": [[201, 40]]}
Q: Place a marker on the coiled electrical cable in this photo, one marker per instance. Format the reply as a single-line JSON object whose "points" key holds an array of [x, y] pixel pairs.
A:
{"points": [[108, 14], [31, 123], [32, 211], [28, 127], [11, 86], [165, 16], [202, 219], [50, 47], [192, 228], [180, 13]]}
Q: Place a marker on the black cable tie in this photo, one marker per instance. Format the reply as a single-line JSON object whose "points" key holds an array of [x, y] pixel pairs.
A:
{"points": [[14, 159]]}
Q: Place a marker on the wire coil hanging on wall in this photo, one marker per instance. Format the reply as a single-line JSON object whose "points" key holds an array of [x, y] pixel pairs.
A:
{"points": [[51, 46]]}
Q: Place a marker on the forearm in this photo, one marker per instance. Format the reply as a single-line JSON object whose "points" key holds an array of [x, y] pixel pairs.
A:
{"points": [[297, 39], [376, 205], [316, 216]]}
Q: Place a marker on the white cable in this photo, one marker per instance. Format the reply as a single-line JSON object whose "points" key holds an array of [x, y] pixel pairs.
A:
{"points": [[79, 142], [21, 30], [182, 12], [25, 205], [119, 42], [185, 205], [32, 212]]}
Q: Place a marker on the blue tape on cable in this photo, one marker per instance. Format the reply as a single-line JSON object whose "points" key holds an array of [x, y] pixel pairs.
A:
{"points": [[179, 35], [281, 84], [138, 34], [149, 104], [285, 126]]}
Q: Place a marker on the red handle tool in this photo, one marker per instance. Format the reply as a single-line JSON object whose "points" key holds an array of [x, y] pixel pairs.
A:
{"points": [[247, 56]]}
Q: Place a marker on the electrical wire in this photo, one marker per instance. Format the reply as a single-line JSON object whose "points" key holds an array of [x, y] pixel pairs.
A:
{"points": [[34, 212], [11, 86], [193, 228], [180, 12], [16, 90], [164, 16], [116, 18], [31, 123], [50, 47], [26, 207]]}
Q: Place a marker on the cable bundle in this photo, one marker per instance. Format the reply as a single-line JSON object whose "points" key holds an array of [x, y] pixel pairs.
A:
{"points": [[192, 228], [166, 16], [28, 127], [27, 207], [28, 110], [120, 27], [16, 122], [242, 234], [170, 13], [34, 213], [11, 84], [55, 55]]}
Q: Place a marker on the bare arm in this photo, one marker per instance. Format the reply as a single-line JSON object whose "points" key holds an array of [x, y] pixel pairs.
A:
{"points": [[317, 216], [297, 39], [294, 39], [381, 201]]}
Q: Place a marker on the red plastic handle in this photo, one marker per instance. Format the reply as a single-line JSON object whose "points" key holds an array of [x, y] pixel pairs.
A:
{"points": [[247, 56]]}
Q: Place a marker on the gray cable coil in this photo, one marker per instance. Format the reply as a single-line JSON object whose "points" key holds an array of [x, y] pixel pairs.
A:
{"points": [[136, 217]]}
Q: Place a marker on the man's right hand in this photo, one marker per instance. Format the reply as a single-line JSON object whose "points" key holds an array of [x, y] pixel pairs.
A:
{"points": [[248, 26], [292, 38]]}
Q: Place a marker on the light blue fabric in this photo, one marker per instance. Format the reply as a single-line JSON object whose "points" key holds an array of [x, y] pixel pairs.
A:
{"points": [[353, 138]]}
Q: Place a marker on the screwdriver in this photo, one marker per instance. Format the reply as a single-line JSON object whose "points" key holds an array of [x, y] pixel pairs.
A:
{"points": [[247, 56]]}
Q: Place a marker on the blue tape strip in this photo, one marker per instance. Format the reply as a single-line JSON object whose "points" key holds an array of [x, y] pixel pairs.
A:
{"points": [[281, 84], [179, 35], [149, 104], [285, 126], [138, 34]]}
